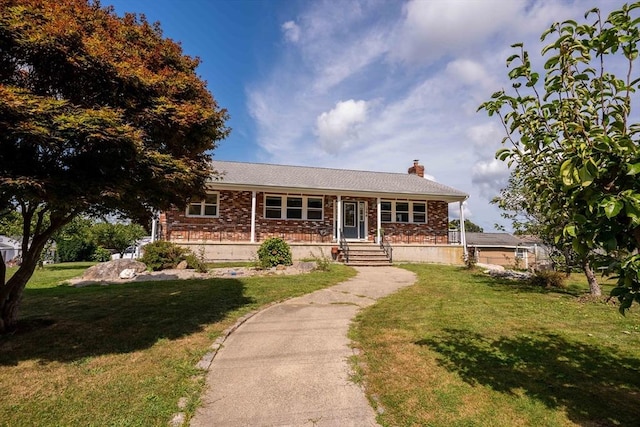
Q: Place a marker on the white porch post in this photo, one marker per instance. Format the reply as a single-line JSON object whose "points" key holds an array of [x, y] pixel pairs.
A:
{"points": [[379, 220], [253, 216], [154, 227], [339, 221], [463, 237]]}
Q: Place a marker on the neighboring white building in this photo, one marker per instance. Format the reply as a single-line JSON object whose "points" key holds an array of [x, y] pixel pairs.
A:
{"points": [[9, 248]]}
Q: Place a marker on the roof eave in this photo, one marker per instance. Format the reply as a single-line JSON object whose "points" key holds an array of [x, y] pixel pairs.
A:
{"points": [[342, 192]]}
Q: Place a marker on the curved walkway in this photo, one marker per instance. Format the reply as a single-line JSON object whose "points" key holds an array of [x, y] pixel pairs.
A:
{"points": [[288, 365]]}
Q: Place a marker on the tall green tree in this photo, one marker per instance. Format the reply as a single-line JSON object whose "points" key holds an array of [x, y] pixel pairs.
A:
{"points": [[529, 214], [117, 237], [469, 226], [98, 114], [576, 124]]}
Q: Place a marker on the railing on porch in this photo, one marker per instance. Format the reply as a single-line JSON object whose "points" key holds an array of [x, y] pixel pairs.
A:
{"points": [[344, 247], [386, 247], [239, 233], [321, 234], [437, 237]]}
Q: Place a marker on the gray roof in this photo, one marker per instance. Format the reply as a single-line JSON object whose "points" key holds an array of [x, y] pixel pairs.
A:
{"points": [[492, 240], [304, 178]]}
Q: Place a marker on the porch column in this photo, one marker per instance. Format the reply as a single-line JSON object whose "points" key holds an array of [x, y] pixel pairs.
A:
{"points": [[378, 221], [154, 227], [253, 216], [463, 237], [339, 219]]}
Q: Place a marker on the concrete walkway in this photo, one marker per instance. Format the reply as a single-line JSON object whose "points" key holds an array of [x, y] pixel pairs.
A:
{"points": [[288, 365]]}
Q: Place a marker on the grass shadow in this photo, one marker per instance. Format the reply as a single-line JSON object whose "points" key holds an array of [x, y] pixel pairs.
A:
{"points": [[507, 285], [594, 385], [66, 324]]}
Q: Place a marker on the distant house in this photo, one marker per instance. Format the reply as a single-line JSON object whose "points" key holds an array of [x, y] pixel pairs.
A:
{"points": [[314, 207], [497, 249], [9, 248]]}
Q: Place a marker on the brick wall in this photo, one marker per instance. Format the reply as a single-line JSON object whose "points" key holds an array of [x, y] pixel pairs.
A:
{"points": [[433, 232], [234, 223]]}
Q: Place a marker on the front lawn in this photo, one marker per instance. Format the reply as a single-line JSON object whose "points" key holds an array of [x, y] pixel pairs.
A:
{"points": [[123, 355], [462, 349]]}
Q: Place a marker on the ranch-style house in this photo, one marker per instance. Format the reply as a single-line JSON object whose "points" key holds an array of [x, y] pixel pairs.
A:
{"points": [[316, 209]]}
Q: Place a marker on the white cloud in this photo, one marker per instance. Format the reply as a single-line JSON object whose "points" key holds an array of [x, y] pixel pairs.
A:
{"points": [[432, 29], [339, 127], [291, 31], [490, 176], [411, 77]]}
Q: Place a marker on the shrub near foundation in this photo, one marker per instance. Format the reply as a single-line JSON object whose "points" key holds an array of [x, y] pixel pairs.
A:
{"points": [[274, 251], [161, 255]]}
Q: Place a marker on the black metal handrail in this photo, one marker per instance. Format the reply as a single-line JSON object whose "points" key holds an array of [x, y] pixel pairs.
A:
{"points": [[344, 246], [386, 247]]}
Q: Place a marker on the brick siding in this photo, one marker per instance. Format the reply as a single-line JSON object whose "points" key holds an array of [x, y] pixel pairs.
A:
{"points": [[233, 223]]}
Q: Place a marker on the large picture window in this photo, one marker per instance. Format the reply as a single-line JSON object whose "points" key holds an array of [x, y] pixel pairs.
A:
{"points": [[293, 207], [403, 211], [207, 207]]}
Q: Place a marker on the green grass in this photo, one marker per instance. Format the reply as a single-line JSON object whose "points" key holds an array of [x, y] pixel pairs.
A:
{"points": [[122, 355], [462, 349]]}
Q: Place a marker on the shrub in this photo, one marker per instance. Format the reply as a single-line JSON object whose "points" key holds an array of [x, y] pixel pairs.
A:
{"points": [[274, 251], [323, 262], [74, 249], [548, 279], [470, 260], [195, 262], [161, 255], [101, 255]]}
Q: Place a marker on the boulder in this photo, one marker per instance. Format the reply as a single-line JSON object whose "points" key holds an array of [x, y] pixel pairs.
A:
{"points": [[111, 270], [128, 273], [305, 266], [182, 265]]}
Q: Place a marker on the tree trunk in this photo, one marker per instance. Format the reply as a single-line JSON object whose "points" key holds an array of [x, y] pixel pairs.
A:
{"points": [[11, 293], [12, 289], [567, 262], [9, 313], [594, 287]]}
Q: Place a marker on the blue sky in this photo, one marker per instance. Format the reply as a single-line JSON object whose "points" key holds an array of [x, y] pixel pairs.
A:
{"points": [[363, 84]]}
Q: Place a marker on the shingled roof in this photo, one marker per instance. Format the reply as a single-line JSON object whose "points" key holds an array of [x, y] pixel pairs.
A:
{"points": [[334, 181], [505, 240]]}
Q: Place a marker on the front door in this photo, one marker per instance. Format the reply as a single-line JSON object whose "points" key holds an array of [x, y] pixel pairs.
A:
{"points": [[353, 220]]}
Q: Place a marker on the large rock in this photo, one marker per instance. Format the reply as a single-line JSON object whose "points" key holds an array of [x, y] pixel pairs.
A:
{"points": [[111, 270]]}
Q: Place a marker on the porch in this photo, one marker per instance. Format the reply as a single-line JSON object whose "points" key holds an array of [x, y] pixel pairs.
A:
{"points": [[181, 232], [235, 251]]}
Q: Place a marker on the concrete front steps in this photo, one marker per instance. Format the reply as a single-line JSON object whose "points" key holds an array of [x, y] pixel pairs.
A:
{"points": [[366, 255]]}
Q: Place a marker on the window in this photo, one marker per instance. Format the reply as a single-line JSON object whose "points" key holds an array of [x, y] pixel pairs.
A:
{"points": [[350, 214], [403, 212], [419, 212], [293, 207], [314, 208], [386, 211], [273, 207], [205, 207], [521, 253]]}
